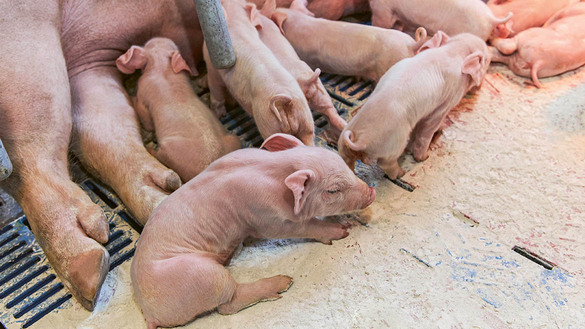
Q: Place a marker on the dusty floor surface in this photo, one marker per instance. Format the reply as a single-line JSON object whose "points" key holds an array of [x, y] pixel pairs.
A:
{"points": [[508, 171]]}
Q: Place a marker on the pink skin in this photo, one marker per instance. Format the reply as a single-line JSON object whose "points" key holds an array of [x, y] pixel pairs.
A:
{"points": [[317, 97], [72, 88], [411, 100], [556, 48], [189, 136], [327, 9], [451, 16], [527, 13], [260, 84], [275, 194], [344, 48]]}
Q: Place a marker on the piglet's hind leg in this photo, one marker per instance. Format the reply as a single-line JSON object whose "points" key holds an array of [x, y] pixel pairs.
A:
{"points": [[248, 294]]}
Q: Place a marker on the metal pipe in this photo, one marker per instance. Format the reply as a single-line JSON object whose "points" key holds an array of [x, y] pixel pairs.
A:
{"points": [[5, 164], [215, 33]]}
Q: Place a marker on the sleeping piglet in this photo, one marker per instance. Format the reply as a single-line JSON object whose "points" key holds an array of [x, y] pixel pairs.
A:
{"points": [[272, 193], [262, 86], [450, 16], [527, 13], [412, 99], [555, 48], [319, 100], [341, 47], [189, 136]]}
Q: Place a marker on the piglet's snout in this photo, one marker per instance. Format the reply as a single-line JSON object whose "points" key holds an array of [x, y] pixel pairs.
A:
{"points": [[371, 197]]}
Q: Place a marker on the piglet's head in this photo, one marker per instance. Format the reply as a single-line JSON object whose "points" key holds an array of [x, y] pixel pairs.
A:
{"points": [[322, 185], [161, 53]]}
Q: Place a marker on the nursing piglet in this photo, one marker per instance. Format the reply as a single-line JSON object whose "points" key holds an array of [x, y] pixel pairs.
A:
{"points": [[319, 100], [344, 48], [189, 136], [527, 13], [272, 193], [260, 84], [327, 9], [450, 16], [412, 99], [555, 48]]}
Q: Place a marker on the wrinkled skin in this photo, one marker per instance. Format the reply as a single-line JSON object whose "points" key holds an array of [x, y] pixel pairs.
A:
{"points": [[275, 194], [527, 13], [411, 100], [344, 48], [189, 136], [328, 9], [58, 77], [450, 16], [317, 97], [258, 82], [557, 47]]}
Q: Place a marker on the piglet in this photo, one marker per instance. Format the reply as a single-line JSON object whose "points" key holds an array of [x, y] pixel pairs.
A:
{"points": [[450, 16], [272, 193], [189, 136], [412, 99], [262, 86], [319, 100], [527, 13], [557, 47], [341, 47], [327, 9]]}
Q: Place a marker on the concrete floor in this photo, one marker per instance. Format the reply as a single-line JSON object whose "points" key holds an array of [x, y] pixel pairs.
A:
{"points": [[508, 171]]}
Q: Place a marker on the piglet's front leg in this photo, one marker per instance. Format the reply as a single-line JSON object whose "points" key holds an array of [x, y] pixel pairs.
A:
{"points": [[319, 230]]}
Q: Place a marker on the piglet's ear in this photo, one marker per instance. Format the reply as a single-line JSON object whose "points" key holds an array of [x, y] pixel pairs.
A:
{"points": [[313, 80], [279, 17], [439, 39], [253, 15], [472, 65], [297, 183], [134, 59], [178, 63], [281, 142]]}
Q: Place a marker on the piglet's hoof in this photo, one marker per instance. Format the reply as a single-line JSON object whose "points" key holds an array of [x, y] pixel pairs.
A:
{"points": [[87, 273], [333, 231]]}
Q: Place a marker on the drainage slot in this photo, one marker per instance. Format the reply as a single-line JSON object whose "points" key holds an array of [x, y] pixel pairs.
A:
{"points": [[114, 236], [365, 95], [340, 99], [15, 260], [534, 257], [137, 227], [44, 296], [11, 250], [8, 239], [6, 229], [122, 258], [361, 87], [400, 183], [28, 292], [46, 310], [19, 270], [23, 281], [119, 247], [106, 199]]}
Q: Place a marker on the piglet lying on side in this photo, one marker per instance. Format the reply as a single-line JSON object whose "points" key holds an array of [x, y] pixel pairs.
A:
{"points": [[258, 81], [412, 99], [319, 100], [327, 9], [188, 134], [341, 47], [555, 48], [527, 13], [450, 16], [273, 193]]}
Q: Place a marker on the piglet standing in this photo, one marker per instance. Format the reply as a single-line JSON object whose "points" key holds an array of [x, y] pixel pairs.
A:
{"points": [[258, 81], [319, 100], [273, 193], [412, 99], [527, 13], [189, 136], [341, 47], [450, 16], [555, 48]]}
